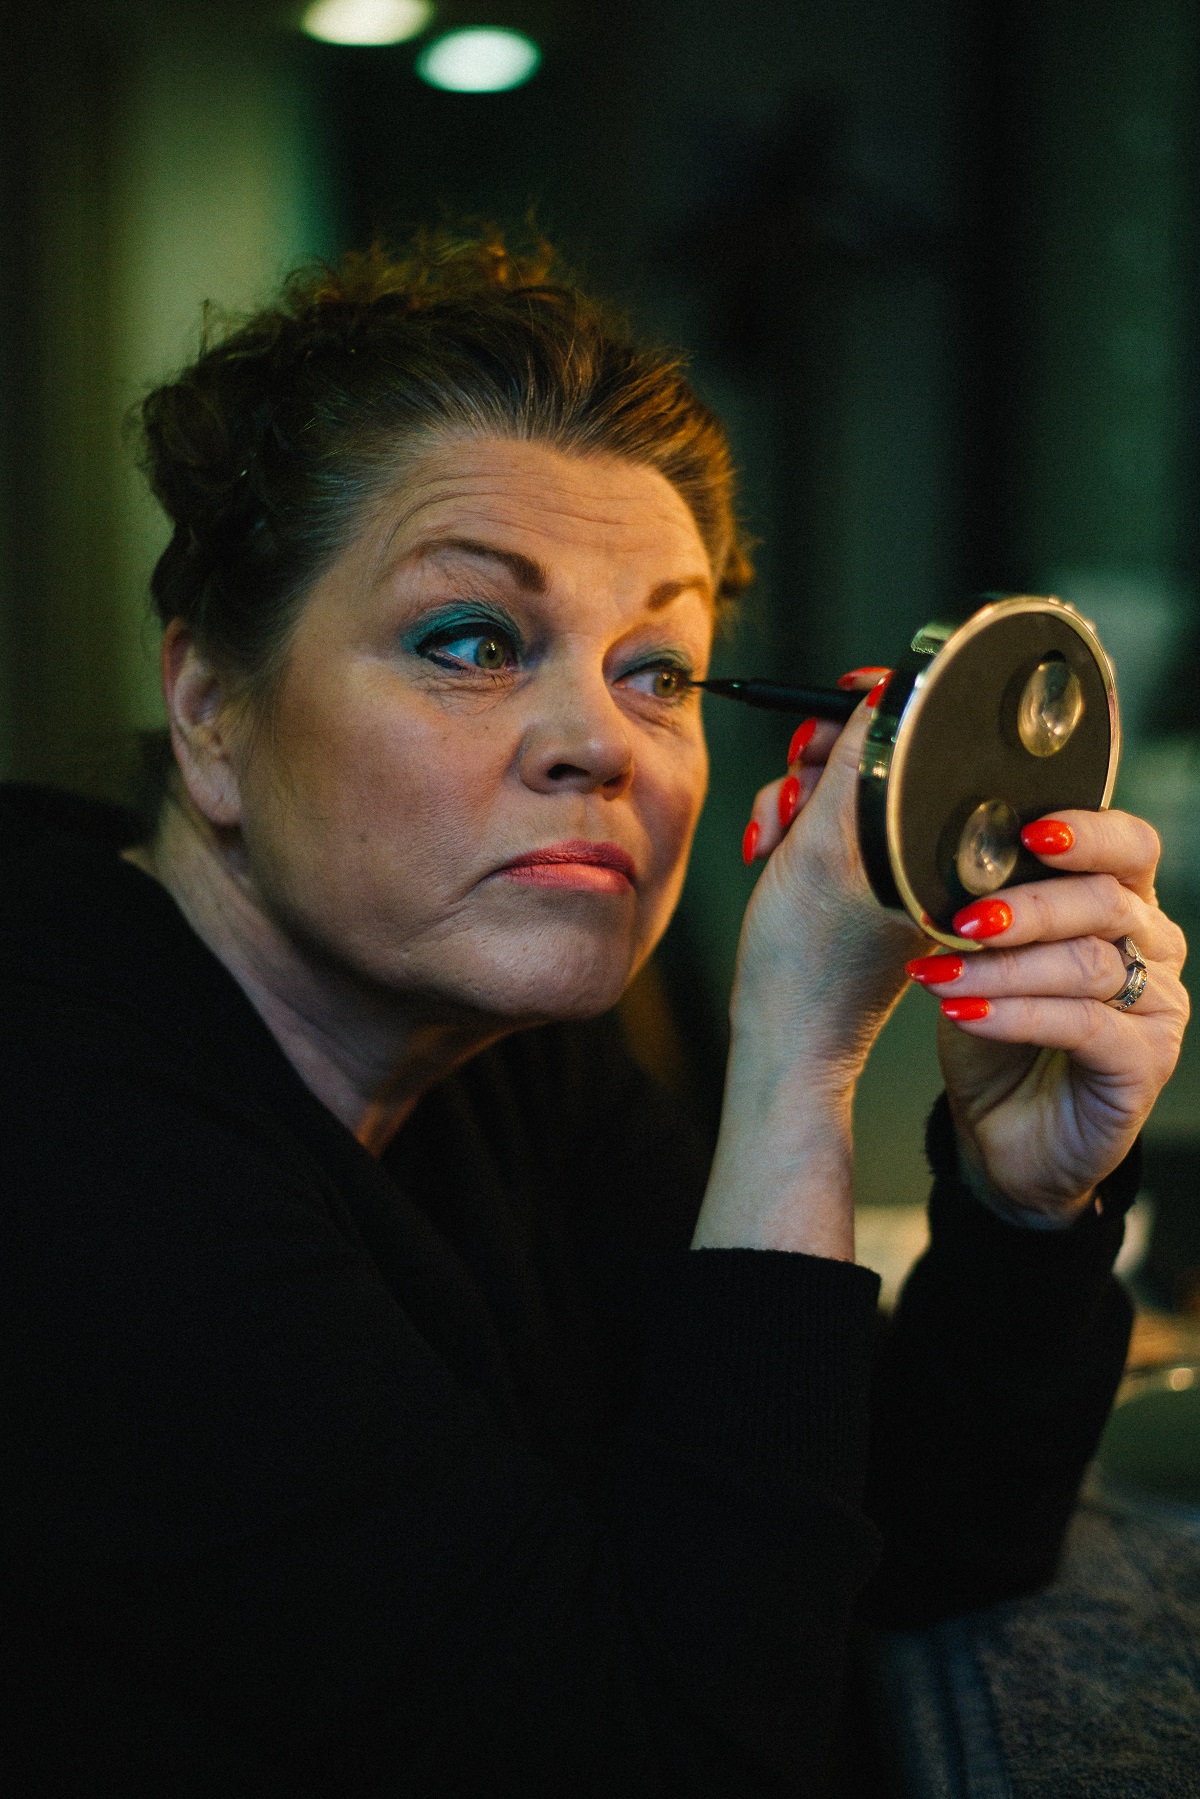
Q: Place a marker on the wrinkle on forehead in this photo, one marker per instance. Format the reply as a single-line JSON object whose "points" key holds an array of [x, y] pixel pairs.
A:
{"points": [[510, 483]]}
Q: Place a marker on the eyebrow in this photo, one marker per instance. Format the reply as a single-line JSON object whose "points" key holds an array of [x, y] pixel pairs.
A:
{"points": [[531, 576], [666, 591], [528, 574]]}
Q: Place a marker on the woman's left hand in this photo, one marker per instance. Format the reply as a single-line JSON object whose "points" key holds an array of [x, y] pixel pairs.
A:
{"points": [[1048, 1083]]}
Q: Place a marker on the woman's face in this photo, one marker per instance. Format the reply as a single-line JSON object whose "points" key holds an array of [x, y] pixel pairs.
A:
{"points": [[481, 775]]}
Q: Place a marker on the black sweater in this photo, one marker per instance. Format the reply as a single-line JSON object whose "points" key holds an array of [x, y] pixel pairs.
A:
{"points": [[457, 1473]]}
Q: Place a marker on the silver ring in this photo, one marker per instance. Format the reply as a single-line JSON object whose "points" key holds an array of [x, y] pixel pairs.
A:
{"points": [[1134, 984]]}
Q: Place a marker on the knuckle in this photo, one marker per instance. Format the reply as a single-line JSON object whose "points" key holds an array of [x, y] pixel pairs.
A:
{"points": [[1037, 908], [1175, 944], [1113, 896], [1093, 959], [1000, 969], [1149, 843], [1022, 1019]]}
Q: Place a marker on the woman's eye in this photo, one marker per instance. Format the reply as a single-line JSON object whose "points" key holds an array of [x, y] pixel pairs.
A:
{"points": [[490, 650], [662, 680]]}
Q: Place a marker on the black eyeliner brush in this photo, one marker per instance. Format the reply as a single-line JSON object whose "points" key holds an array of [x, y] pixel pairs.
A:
{"points": [[813, 702]]}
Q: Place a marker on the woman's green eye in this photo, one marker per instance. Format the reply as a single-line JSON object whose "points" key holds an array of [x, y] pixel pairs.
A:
{"points": [[491, 653], [658, 680]]}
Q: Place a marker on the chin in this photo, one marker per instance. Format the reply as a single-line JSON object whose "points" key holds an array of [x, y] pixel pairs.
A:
{"points": [[538, 982]]}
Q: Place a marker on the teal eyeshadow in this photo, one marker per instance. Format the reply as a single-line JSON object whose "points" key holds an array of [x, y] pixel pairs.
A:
{"points": [[461, 621]]}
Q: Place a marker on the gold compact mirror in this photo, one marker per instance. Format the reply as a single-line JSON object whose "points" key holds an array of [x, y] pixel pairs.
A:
{"points": [[993, 718]]}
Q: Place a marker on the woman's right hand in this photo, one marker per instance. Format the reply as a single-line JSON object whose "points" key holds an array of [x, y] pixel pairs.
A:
{"points": [[814, 935], [820, 965]]}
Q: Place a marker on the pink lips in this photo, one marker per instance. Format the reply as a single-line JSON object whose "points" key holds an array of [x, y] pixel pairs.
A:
{"points": [[580, 865]]}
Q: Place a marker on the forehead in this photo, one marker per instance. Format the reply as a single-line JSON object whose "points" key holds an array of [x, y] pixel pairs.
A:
{"points": [[551, 503]]}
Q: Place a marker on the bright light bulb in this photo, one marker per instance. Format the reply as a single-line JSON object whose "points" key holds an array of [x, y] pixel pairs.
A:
{"points": [[366, 21], [484, 59]]}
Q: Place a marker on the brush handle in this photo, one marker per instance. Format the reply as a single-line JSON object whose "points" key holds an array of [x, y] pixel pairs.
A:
{"points": [[813, 702]]}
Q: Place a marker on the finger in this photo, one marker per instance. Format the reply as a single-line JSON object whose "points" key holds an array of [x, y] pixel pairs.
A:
{"points": [[779, 803], [1097, 905], [859, 680], [1096, 1036], [1114, 843], [1084, 968], [775, 808], [812, 741]]}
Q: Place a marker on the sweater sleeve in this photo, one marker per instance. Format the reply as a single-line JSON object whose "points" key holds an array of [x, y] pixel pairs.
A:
{"points": [[995, 1377], [262, 1540]]}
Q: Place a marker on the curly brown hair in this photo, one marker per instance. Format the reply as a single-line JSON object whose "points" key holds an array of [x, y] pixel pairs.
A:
{"points": [[264, 452]]}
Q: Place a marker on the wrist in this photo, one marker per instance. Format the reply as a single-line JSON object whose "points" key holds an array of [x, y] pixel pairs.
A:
{"points": [[789, 1045], [782, 1174], [819, 1021]]}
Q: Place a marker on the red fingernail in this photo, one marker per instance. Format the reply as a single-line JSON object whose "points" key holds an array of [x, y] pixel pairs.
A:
{"points": [[853, 676], [935, 969], [750, 837], [877, 692], [959, 1010], [789, 801], [983, 918], [801, 738], [1048, 837]]}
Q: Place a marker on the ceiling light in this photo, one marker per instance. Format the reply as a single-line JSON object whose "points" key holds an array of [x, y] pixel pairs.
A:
{"points": [[480, 60], [366, 21]]}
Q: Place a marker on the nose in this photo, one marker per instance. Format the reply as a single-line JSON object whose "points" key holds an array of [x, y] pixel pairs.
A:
{"points": [[578, 740]]}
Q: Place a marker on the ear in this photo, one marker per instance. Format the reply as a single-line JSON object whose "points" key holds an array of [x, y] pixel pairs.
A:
{"points": [[202, 720]]}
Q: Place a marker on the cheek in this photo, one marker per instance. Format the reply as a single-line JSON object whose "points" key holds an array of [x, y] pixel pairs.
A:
{"points": [[674, 796], [359, 784]]}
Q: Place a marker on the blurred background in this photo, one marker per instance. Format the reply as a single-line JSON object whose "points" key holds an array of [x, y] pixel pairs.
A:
{"points": [[936, 262]]}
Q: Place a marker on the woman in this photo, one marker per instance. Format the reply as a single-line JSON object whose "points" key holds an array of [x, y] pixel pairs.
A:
{"points": [[375, 1429]]}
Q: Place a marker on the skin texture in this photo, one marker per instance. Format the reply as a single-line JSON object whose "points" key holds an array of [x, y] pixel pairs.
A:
{"points": [[491, 667]]}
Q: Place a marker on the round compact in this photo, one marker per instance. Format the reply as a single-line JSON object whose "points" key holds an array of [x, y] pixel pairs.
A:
{"points": [[995, 717]]}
